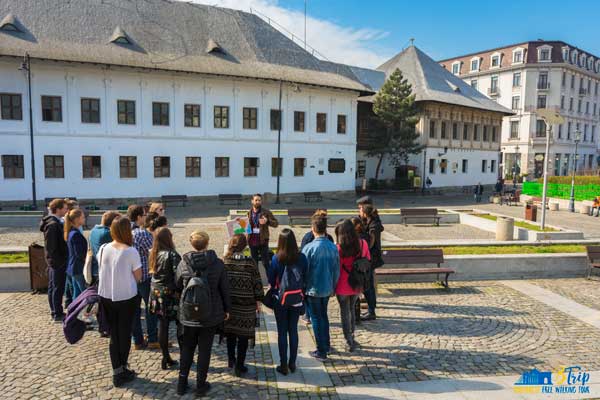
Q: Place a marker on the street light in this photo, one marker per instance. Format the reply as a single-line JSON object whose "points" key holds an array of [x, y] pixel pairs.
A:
{"points": [[572, 198], [549, 117], [26, 67]]}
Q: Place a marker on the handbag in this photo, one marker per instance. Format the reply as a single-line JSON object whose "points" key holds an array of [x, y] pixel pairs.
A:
{"points": [[270, 298], [87, 266]]}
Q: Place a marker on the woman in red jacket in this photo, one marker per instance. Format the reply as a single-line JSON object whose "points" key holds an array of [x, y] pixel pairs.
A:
{"points": [[350, 247]]}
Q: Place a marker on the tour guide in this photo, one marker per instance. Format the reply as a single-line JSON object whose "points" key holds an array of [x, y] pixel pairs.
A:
{"points": [[258, 230]]}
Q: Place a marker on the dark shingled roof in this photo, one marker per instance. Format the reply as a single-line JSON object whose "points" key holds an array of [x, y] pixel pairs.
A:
{"points": [[167, 35]]}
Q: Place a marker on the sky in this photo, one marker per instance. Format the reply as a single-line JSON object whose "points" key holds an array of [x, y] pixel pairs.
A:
{"points": [[369, 32]]}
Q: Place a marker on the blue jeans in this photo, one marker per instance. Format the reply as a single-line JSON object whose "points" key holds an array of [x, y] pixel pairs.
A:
{"points": [[320, 322], [371, 293], [151, 322], [287, 326], [77, 284]]}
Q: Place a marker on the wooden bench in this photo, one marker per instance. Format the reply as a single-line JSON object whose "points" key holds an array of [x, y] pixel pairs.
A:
{"points": [[300, 213], [232, 198], [412, 257], [593, 254], [174, 198], [420, 213], [312, 196]]}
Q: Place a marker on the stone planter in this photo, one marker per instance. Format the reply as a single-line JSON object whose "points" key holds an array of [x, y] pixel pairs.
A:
{"points": [[584, 209], [505, 228]]}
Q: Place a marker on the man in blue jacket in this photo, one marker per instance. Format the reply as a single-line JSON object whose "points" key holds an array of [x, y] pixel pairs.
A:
{"points": [[322, 275]]}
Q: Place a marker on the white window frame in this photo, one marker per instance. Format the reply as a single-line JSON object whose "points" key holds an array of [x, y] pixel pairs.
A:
{"points": [[521, 51], [539, 53], [478, 59], [458, 64], [494, 55], [565, 53], [574, 56]]}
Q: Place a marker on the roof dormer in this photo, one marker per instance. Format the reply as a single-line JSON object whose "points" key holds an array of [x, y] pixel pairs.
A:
{"points": [[544, 53], [565, 53], [10, 24], [475, 64], [119, 36], [574, 57], [213, 47], [496, 60], [518, 55]]}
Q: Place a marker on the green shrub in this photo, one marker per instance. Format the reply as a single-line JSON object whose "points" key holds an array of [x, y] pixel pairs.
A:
{"points": [[566, 180], [563, 191]]}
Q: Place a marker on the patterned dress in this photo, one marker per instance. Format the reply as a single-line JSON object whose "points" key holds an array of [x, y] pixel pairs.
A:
{"points": [[245, 288]]}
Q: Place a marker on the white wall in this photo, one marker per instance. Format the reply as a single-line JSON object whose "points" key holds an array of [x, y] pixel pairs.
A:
{"points": [[109, 139]]}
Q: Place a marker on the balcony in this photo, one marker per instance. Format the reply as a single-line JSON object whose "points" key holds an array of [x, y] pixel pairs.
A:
{"points": [[543, 85], [493, 91], [582, 91]]}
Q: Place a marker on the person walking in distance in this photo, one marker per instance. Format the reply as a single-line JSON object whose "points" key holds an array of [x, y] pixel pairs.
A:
{"points": [[322, 275], [260, 219], [478, 192], [142, 242], [374, 227], [55, 251], [77, 250], [205, 304]]}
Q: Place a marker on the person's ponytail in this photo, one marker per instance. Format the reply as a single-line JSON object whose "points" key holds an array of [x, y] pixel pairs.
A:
{"points": [[69, 218]]}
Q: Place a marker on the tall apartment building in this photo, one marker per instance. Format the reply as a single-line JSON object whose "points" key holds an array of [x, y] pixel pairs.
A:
{"points": [[539, 74], [139, 98]]}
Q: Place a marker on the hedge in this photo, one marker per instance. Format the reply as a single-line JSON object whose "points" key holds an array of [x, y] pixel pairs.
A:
{"points": [[579, 180], [562, 191]]}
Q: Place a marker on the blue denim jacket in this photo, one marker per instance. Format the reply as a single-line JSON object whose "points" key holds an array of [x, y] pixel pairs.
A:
{"points": [[323, 267]]}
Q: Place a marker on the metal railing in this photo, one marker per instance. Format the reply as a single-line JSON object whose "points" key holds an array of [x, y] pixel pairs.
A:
{"points": [[543, 85]]}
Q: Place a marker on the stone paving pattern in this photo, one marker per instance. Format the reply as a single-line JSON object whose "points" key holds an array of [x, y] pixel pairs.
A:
{"points": [[580, 290]]}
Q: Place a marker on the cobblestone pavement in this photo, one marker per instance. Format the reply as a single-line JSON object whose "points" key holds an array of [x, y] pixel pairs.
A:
{"points": [[423, 332], [580, 290], [442, 232]]}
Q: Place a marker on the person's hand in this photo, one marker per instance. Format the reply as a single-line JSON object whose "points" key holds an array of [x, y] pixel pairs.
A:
{"points": [[226, 316], [262, 220]]}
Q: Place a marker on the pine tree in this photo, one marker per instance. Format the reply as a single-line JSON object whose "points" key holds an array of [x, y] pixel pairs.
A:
{"points": [[394, 126]]}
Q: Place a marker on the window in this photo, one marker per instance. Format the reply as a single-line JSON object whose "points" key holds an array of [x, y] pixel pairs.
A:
{"points": [[589, 88], [518, 56], [465, 166], [562, 102], [299, 166], [432, 129], [13, 166], [474, 64], [298, 121], [128, 166], [514, 129], [484, 166], [275, 120], [250, 118], [579, 105], [51, 109], [544, 55], [11, 106], [494, 134], [595, 108], [596, 89], [54, 167], [568, 130], [494, 84], [571, 104], [321, 122], [465, 132], [221, 117], [431, 166], [221, 167], [516, 79], [476, 133], [541, 101], [443, 132], [126, 112], [276, 166], [540, 128], [443, 166], [336, 165], [485, 133], [543, 80], [560, 129], [516, 102], [162, 167], [563, 79], [192, 167], [585, 128], [593, 139], [90, 111], [495, 61], [492, 166], [250, 166], [474, 83], [160, 114], [341, 123], [587, 107], [573, 81], [191, 115], [456, 68], [455, 131], [590, 160], [91, 167]]}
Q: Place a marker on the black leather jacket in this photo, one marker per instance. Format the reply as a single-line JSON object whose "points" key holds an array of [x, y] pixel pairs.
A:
{"points": [[164, 270]]}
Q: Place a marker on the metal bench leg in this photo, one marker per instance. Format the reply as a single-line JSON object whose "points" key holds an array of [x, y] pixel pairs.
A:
{"points": [[589, 274], [446, 281]]}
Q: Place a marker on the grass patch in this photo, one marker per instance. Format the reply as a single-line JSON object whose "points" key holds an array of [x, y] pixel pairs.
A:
{"points": [[520, 224], [516, 249], [11, 258]]}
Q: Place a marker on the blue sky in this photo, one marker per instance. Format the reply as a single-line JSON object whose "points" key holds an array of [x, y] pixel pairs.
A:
{"points": [[367, 33]]}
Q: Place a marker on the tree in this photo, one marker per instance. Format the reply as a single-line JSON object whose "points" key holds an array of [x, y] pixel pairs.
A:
{"points": [[394, 125]]}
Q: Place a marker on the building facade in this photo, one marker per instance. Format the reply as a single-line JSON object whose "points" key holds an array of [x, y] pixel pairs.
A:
{"points": [[104, 129], [540, 74], [459, 128]]}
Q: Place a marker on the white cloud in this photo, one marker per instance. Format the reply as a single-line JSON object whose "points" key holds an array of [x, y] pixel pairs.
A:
{"points": [[348, 45]]}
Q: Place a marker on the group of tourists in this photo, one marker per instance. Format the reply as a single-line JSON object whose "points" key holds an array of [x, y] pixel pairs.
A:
{"points": [[133, 260]]}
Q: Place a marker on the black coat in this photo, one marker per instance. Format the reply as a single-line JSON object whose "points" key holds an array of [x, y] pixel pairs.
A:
{"points": [[191, 265], [164, 270], [374, 227], [55, 247]]}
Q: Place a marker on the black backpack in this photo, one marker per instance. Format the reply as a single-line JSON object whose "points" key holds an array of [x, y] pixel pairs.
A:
{"points": [[196, 299], [291, 287], [359, 277]]}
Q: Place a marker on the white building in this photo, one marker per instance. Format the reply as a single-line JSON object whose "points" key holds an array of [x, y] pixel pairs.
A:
{"points": [[459, 127], [540, 74], [146, 97]]}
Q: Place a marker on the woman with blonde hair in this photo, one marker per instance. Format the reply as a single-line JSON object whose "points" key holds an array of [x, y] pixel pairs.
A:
{"points": [[76, 250], [163, 262], [158, 208], [120, 271]]}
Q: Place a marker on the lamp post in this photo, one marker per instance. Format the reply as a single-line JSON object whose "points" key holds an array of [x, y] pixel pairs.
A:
{"points": [[279, 143], [572, 198], [26, 67], [424, 166]]}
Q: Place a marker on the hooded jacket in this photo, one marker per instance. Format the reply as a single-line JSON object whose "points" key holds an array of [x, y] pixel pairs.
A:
{"points": [[192, 264], [55, 247]]}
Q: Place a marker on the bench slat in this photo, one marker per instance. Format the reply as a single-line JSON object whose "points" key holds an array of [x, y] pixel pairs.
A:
{"points": [[413, 271]]}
